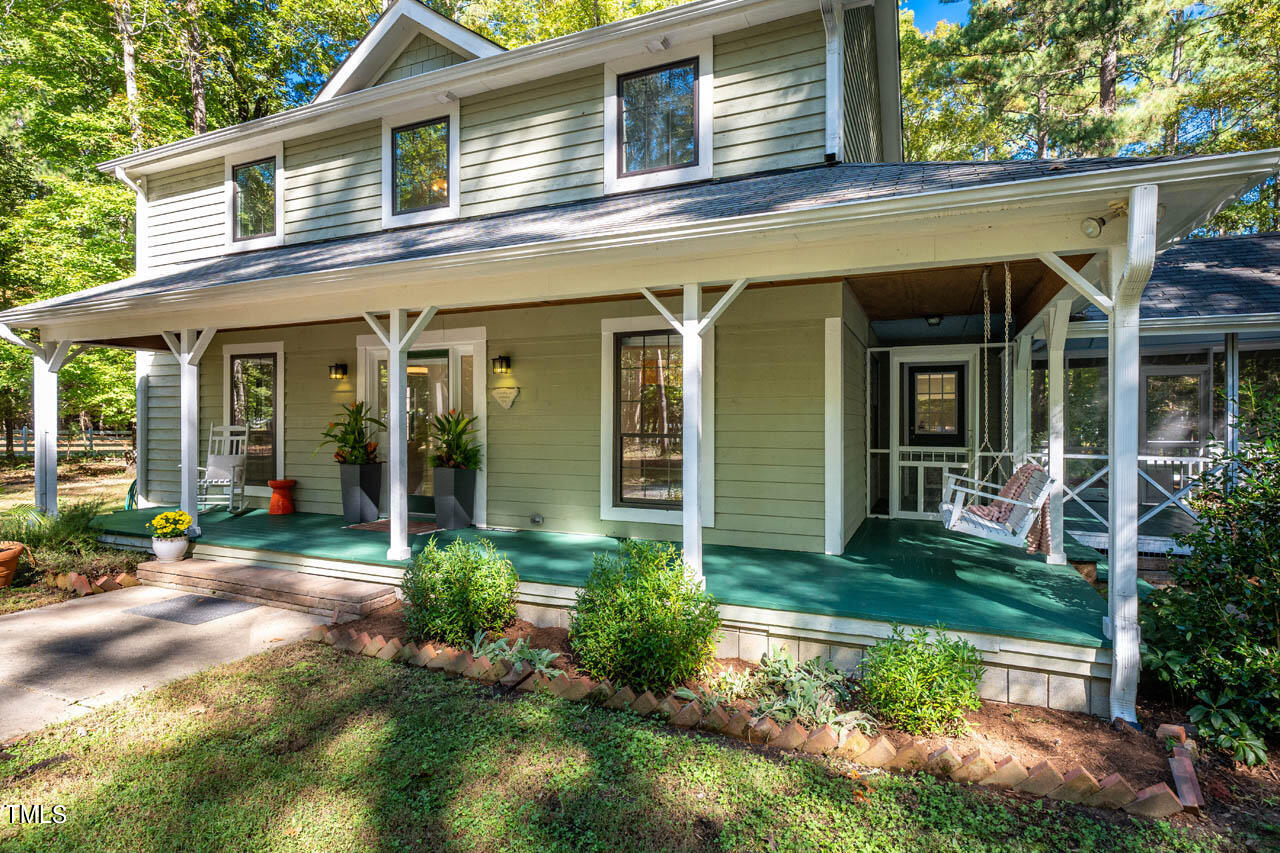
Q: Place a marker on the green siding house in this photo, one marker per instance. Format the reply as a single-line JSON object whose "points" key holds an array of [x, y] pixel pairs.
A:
{"points": [[677, 268]]}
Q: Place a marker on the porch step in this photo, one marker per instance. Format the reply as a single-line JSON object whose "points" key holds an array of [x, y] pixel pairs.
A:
{"points": [[341, 600]]}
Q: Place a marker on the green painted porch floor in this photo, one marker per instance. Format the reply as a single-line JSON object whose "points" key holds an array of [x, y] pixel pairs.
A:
{"points": [[913, 572]]}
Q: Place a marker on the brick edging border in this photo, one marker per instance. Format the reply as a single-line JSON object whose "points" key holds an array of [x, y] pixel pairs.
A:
{"points": [[1077, 785], [83, 585]]}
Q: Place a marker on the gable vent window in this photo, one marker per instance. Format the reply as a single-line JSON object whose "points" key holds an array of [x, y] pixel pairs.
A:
{"points": [[420, 153], [254, 193], [658, 118]]}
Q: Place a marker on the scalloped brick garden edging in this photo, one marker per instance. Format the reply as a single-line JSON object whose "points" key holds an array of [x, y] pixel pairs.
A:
{"points": [[83, 585], [1077, 785]]}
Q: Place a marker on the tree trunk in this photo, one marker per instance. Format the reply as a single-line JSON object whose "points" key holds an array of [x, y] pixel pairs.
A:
{"points": [[1107, 80], [195, 61], [1042, 120], [122, 15]]}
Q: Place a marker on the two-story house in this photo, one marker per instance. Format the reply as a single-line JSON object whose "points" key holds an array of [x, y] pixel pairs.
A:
{"points": [[677, 268]]}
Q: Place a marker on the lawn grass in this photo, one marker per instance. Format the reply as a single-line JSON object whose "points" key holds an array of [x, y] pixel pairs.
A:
{"points": [[15, 598], [102, 479], [307, 748]]}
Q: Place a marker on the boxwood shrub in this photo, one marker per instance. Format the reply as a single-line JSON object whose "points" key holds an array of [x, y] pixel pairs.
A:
{"points": [[642, 621], [451, 593], [922, 684]]}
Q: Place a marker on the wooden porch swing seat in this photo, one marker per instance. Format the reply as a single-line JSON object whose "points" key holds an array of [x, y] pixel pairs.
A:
{"points": [[220, 481], [1011, 509]]}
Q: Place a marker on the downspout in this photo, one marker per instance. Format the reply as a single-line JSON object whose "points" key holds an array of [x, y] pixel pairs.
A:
{"points": [[140, 253]]}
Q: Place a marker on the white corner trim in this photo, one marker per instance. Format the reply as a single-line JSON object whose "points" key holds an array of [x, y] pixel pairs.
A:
{"points": [[275, 348], [702, 170], [435, 214], [833, 434], [835, 79], [239, 158], [608, 425]]}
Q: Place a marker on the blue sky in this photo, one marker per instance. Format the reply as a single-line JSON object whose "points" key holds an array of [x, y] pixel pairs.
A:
{"points": [[929, 12]]}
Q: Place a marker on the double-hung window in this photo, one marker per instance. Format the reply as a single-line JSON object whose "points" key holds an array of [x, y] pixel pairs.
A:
{"points": [[255, 198], [658, 119], [419, 168]]}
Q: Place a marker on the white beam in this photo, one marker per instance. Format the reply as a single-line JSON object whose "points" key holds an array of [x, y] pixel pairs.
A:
{"points": [[1021, 438], [397, 437], [415, 329], [8, 334], [1082, 285], [188, 347], [662, 309], [45, 414], [722, 305], [1231, 353], [833, 434], [691, 446], [1131, 269], [379, 330], [833, 24], [1056, 333]]}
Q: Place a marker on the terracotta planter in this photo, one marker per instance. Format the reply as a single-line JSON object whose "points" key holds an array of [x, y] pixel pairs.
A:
{"points": [[170, 550], [10, 553]]}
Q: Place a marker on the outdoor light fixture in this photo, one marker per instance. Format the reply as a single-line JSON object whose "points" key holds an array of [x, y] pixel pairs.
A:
{"points": [[1091, 226], [337, 371], [935, 320], [502, 364]]}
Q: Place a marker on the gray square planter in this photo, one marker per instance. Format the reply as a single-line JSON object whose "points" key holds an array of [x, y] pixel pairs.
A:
{"points": [[455, 494], [361, 492]]}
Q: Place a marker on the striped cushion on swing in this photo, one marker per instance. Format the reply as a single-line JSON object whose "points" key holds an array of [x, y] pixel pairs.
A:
{"points": [[1000, 511]]}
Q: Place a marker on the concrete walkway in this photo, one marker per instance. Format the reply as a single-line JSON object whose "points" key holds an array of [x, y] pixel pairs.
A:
{"points": [[63, 660]]}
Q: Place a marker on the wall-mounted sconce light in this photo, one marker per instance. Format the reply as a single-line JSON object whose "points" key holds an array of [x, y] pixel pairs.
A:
{"points": [[501, 364], [337, 371], [935, 320]]}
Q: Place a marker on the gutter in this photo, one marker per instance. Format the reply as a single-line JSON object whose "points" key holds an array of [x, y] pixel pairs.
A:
{"points": [[1038, 189], [1208, 324]]}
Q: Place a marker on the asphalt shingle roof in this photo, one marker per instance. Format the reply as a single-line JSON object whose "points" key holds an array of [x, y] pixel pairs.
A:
{"points": [[794, 190], [1213, 277]]}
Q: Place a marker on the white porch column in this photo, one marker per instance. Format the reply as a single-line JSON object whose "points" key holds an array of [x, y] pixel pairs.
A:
{"points": [[188, 347], [44, 399], [691, 446], [1021, 438], [398, 337], [1056, 319], [1130, 269], [1231, 351]]}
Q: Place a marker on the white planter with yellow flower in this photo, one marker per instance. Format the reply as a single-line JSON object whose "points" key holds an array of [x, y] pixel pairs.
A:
{"points": [[169, 538]]}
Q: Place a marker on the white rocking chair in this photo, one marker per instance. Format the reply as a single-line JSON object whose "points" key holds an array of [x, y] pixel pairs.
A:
{"points": [[958, 504], [220, 482]]}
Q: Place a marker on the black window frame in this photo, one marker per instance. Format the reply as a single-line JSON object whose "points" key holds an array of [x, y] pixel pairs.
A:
{"points": [[395, 152], [619, 436], [620, 143], [236, 236], [959, 439], [276, 413]]}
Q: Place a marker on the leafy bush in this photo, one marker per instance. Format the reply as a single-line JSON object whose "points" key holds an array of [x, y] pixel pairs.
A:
{"points": [[921, 684], [642, 621], [809, 693], [520, 655], [451, 594], [1215, 635], [65, 542]]}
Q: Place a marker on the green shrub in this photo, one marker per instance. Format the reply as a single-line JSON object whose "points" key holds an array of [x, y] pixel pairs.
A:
{"points": [[451, 594], [642, 621], [810, 693], [922, 684], [65, 542], [1214, 637]]}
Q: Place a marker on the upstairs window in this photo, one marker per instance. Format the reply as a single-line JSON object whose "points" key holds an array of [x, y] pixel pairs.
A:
{"points": [[658, 118], [420, 154], [253, 187]]}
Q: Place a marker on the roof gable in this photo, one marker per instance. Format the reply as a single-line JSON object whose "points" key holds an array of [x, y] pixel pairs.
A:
{"points": [[407, 39]]}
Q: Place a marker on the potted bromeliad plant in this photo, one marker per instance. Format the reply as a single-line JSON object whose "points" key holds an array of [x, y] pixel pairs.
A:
{"points": [[356, 453], [456, 461], [169, 538]]}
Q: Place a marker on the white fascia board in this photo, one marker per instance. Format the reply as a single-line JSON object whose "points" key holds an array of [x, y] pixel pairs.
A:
{"points": [[691, 21], [391, 33], [1041, 192]]}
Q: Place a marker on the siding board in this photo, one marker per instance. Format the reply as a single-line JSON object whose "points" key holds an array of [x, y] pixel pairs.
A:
{"points": [[333, 184], [420, 56], [186, 214]]}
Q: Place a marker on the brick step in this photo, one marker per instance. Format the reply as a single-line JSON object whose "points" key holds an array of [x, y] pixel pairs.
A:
{"points": [[338, 598]]}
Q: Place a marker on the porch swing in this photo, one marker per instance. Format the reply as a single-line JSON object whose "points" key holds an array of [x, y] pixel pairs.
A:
{"points": [[1011, 508]]}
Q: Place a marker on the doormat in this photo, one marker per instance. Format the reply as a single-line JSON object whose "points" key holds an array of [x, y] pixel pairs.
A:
{"points": [[191, 609], [383, 525]]}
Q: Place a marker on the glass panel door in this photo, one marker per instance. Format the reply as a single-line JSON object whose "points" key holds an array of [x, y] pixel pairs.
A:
{"points": [[428, 392]]}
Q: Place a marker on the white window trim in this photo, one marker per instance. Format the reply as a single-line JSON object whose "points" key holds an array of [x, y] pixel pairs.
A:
{"points": [[267, 347], [240, 158], [369, 349], [702, 170], [608, 426], [390, 219]]}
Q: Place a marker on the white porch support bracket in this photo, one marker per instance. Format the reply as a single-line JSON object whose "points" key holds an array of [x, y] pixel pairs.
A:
{"points": [[188, 347], [1130, 269], [398, 337], [1081, 284], [691, 327], [49, 358], [1055, 325]]}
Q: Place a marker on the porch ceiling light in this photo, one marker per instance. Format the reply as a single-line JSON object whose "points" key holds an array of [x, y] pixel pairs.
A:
{"points": [[934, 320], [1091, 226], [502, 364], [337, 371]]}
